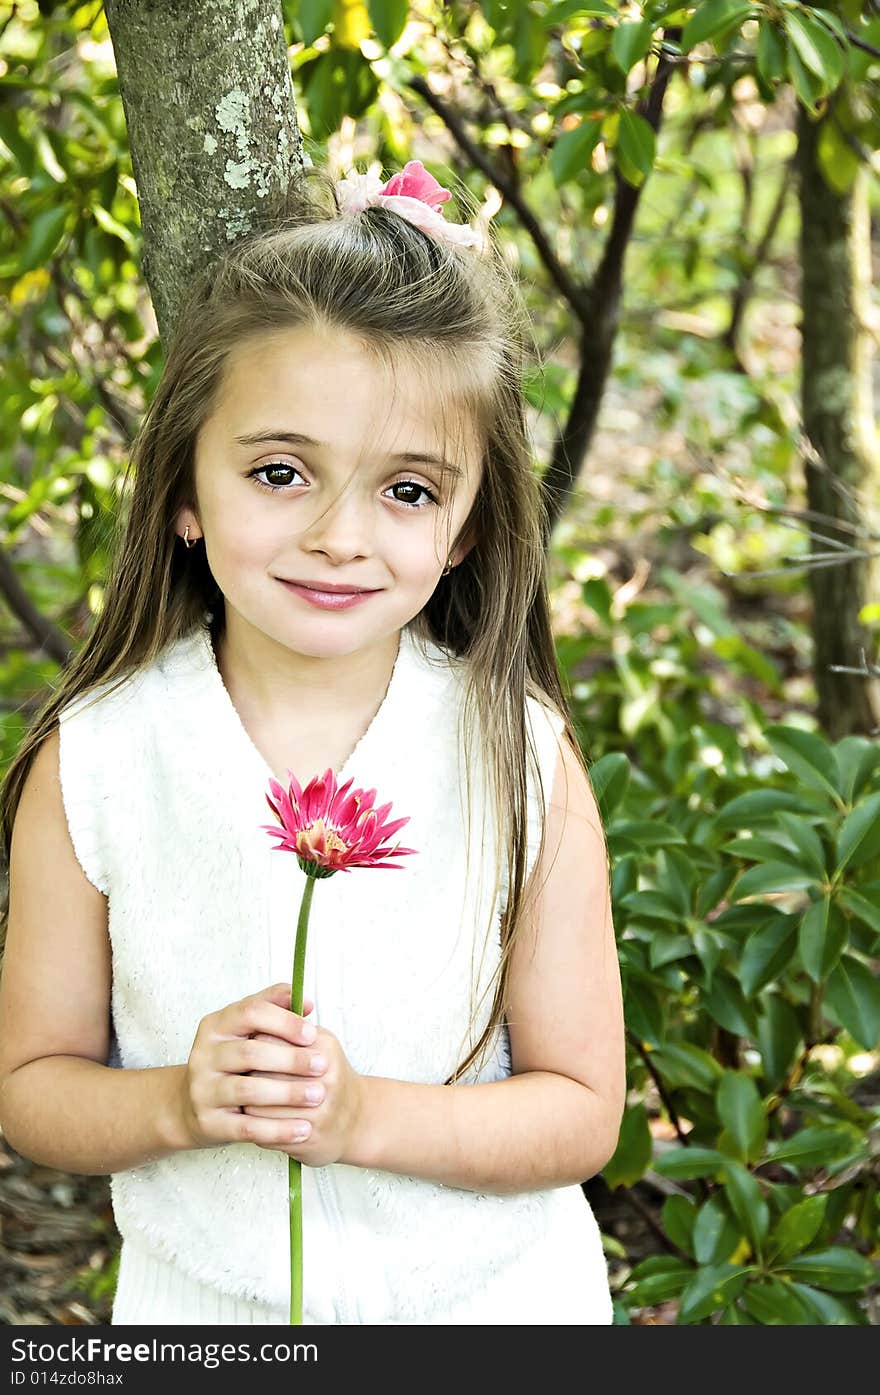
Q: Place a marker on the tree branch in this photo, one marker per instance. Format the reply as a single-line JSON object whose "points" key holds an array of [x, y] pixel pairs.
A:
{"points": [[55, 643], [574, 294]]}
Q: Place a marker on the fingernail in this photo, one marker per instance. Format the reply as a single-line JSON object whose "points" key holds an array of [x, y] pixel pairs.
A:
{"points": [[318, 1063], [314, 1094], [308, 1033]]}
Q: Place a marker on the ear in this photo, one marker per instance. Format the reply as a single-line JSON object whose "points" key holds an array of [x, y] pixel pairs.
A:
{"points": [[461, 550], [187, 518]]}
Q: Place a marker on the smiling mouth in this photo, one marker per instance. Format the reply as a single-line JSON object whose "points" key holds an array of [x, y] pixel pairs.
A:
{"points": [[328, 588]]}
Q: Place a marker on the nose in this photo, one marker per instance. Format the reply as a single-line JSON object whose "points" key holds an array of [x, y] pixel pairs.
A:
{"points": [[342, 530]]}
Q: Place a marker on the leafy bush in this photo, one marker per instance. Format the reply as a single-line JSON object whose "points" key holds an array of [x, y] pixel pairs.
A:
{"points": [[746, 894]]}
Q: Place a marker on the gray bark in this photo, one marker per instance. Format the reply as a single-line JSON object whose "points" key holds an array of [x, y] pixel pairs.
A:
{"points": [[212, 128], [839, 425]]}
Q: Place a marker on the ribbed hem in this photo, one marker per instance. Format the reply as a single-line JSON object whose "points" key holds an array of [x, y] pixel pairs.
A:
{"points": [[152, 1290]]}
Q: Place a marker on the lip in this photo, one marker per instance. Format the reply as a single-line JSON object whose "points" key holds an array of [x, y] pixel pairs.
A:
{"points": [[327, 600], [328, 587]]}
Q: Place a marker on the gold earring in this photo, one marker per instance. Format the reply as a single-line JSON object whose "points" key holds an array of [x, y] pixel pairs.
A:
{"points": [[447, 568], [186, 542]]}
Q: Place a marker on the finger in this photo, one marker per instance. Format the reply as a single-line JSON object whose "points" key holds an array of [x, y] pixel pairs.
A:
{"points": [[268, 1133], [239, 1055], [276, 1092], [258, 1014]]}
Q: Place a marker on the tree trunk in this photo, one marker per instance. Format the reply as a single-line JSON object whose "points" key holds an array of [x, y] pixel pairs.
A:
{"points": [[212, 128], [842, 480]]}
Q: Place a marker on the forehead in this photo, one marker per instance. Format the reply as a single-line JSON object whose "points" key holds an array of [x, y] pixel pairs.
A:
{"points": [[328, 385]]}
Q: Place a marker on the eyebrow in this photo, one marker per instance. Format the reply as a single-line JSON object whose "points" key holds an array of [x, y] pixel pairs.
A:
{"points": [[296, 438]]}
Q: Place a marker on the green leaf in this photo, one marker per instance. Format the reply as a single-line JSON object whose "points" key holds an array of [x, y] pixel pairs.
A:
{"points": [[853, 995], [767, 952], [807, 86], [597, 9], [684, 1065], [863, 909], [859, 838], [657, 1279], [112, 226], [822, 938], [633, 1153], [678, 1217], [831, 1312], [644, 1011], [636, 142], [772, 877], [313, 17], [388, 18], [758, 806], [571, 154], [711, 1288], [685, 1163], [676, 878], [631, 42], [711, 18], [666, 948], [746, 1201], [742, 1114], [771, 52], [815, 47], [727, 1005], [610, 778], [44, 235], [651, 905], [806, 845], [797, 1228], [843, 1271], [806, 756], [779, 1035], [857, 757], [647, 835], [715, 1234], [816, 1144], [752, 849], [775, 1304]]}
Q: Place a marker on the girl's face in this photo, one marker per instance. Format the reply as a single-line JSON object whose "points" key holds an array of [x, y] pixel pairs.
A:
{"points": [[341, 503]]}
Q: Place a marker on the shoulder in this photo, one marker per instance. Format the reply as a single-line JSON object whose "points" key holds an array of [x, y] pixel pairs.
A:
{"points": [[147, 682], [568, 790]]}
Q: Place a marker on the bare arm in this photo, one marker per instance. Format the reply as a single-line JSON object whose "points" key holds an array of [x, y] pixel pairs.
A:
{"points": [[60, 1104], [79, 1116]]}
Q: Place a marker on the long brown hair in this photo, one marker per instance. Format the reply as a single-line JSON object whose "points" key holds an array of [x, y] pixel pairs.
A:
{"points": [[410, 299]]}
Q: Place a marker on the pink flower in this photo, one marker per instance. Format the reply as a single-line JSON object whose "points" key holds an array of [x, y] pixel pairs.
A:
{"points": [[332, 828], [415, 182], [414, 194]]}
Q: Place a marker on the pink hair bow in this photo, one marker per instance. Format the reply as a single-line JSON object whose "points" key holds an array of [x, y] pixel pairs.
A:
{"points": [[414, 194]]}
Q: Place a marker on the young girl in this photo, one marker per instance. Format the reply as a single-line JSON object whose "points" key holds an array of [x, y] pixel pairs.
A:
{"points": [[332, 557]]}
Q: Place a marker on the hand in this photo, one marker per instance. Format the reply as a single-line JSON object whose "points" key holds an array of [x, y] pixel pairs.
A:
{"points": [[230, 1067], [332, 1117]]}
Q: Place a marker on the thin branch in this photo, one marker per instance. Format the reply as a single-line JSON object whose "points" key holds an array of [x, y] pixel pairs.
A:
{"points": [[55, 643], [632, 1197], [574, 294], [661, 1088], [862, 44]]}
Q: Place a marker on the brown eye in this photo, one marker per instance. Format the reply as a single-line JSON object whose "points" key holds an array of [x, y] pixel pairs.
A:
{"points": [[273, 468], [419, 489]]}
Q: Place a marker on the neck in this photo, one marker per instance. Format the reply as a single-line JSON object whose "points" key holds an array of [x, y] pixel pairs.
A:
{"points": [[270, 680]]}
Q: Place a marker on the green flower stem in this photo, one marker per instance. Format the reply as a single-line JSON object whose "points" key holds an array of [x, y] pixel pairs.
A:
{"points": [[294, 1166]]}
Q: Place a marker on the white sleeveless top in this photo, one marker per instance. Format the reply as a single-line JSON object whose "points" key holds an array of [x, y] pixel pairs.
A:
{"points": [[164, 793]]}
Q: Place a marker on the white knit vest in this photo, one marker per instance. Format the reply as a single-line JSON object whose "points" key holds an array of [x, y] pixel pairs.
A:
{"points": [[164, 793]]}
